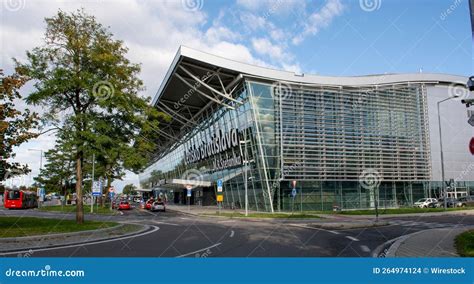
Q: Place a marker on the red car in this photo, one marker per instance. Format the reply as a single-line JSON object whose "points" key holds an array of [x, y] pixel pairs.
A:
{"points": [[124, 205], [148, 204]]}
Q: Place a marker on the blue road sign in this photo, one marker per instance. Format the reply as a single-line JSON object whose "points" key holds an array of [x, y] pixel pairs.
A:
{"points": [[189, 192], [111, 194], [219, 185], [293, 192]]}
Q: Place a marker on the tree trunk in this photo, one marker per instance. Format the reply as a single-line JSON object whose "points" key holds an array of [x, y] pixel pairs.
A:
{"points": [[79, 205]]}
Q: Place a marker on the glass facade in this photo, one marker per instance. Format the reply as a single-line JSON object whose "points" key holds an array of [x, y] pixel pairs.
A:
{"points": [[327, 142]]}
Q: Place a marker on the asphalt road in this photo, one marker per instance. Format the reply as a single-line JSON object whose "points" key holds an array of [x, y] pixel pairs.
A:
{"points": [[176, 235]]}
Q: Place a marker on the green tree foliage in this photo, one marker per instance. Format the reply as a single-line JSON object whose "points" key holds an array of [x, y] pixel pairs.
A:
{"points": [[82, 73], [16, 127], [129, 189], [58, 175]]}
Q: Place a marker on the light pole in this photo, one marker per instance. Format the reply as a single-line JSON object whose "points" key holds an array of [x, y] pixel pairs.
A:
{"points": [[41, 157], [441, 150], [41, 199]]}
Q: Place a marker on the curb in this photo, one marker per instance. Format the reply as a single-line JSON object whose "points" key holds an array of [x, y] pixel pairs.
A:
{"points": [[29, 238], [144, 229], [391, 251], [346, 225]]}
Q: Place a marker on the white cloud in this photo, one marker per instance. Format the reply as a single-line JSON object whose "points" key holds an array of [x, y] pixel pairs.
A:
{"points": [[152, 30], [263, 46], [320, 19]]}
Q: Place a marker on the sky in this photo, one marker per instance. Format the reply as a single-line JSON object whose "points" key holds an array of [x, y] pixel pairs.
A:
{"points": [[324, 37]]}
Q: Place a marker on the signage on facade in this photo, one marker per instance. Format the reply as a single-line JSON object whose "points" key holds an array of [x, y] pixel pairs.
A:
{"points": [[220, 143]]}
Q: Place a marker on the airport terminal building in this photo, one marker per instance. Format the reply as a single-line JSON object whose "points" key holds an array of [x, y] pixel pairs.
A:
{"points": [[336, 140]]}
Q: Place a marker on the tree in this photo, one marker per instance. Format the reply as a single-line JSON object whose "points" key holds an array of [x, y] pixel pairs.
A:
{"points": [[15, 126], [58, 174], [82, 72], [129, 189]]}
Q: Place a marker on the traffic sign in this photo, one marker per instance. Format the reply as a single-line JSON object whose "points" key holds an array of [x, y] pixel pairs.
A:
{"points": [[219, 185], [471, 120], [471, 146], [293, 192], [111, 194], [96, 188], [189, 192], [220, 198]]}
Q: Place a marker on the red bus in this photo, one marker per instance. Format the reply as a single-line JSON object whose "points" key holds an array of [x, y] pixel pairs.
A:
{"points": [[19, 199]]}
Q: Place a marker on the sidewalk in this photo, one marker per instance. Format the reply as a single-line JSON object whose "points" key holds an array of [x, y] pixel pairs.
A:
{"points": [[432, 243], [320, 221]]}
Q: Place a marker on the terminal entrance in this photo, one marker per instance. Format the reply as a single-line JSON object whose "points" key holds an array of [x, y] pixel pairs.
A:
{"points": [[201, 196]]}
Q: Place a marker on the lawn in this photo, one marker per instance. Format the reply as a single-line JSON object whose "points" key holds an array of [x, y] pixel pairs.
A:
{"points": [[72, 208], [400, 211], [266, 215], [465, 244], [30, 226]]}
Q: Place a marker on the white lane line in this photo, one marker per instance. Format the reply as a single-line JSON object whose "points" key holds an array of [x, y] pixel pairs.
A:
{"points": [[226, 221], [314, 228], [231, 233], [155, 228], [183, 218], [365, 248], [352, 238], [164, 223], [194, 252]]}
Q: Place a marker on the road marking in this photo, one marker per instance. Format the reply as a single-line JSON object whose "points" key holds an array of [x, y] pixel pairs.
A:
{"points": [[226, 221], [314, 228], [231, 233], [121, 213], [155, 228], [164, 223], [352, 238], [194, 252], [183, 218], [365, 248]]}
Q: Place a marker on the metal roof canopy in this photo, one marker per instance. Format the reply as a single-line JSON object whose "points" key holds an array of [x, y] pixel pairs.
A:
{"points": [[197, 81]]}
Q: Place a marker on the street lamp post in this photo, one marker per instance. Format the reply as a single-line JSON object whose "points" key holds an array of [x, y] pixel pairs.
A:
{"points": [[41, 157], [441, 150]]}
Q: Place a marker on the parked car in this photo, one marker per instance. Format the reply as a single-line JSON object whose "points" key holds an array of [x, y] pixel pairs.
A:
{"points": [[450, 202], [467, 200], [124, 205], [424, 202], [158, 206]]}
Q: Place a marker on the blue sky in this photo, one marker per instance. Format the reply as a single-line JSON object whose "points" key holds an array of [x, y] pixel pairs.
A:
{"points": [[325, 37]]}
